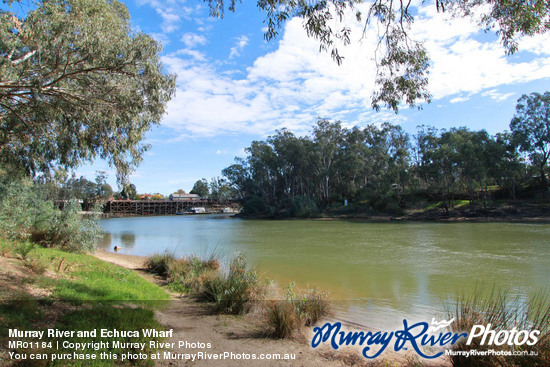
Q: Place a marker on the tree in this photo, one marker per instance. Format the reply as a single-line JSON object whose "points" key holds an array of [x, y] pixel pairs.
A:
{"points": [[76, 83], [220, 189], [200, 188], [531, 129], [129, 192], [402, 63]]}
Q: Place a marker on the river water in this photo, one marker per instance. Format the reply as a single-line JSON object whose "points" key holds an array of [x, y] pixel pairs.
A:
{"points": [[376, 273]]}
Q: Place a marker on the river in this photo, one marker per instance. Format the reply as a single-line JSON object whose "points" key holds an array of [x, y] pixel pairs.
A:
{"points": [[376, 273]]}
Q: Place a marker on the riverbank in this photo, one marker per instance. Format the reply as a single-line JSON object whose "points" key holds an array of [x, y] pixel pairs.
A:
{"points": [[39, 298], [521, 212], [198, 321]]}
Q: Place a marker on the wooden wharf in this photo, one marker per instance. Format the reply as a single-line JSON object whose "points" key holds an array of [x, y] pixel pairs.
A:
{"points": [[166, 207]]}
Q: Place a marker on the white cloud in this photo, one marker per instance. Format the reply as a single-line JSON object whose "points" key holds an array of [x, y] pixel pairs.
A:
{"points": [[459, 99], [161, 37], [235, 51], [496, 95], [170, 20], [293, 85], [197, 55], [192, 40]]}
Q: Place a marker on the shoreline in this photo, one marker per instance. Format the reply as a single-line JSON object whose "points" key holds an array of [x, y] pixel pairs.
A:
{"points": [[379, 218], [345, 356]]}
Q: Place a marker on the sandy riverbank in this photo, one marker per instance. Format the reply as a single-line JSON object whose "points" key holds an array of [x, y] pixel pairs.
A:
{"points": [[196, 322]]}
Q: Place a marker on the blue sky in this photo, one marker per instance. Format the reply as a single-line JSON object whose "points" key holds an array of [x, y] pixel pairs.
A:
{"points": [[234, 87]]}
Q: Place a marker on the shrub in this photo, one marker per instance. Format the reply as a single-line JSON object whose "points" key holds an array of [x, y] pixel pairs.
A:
{"points": [[26, 213], [6, 248], [160, 263], [254, 205], [281, 318], [503, 313], [185, 274], [234, 292], [304, 207], [312, 307], [23, 249], [286, 316]]}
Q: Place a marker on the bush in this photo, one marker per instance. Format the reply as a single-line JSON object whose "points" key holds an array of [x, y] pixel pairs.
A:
{"points": [[27, 214], [503, 313], [281, 318], [286, 316], [186, 274], [312, 307], [234, 292], [304, 207], [255, 205], [160, 263], [23, 249]]}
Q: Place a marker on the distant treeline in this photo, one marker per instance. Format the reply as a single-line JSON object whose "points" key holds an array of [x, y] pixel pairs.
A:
{"points": [[381, 168]]}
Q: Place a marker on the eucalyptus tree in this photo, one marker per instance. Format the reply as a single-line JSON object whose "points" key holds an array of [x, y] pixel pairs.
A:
{"points": [[531, 130], [388, 161], [328, 138], [200, 188], [220, 189], [76, 83], [506, 165], [239, 177]]}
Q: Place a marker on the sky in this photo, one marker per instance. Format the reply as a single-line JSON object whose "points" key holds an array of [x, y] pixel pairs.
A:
{"points": [[234, 87]]}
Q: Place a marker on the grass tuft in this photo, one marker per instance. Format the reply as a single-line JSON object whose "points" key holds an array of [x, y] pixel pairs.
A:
{"points": [[281, 318], [234, 292], [285, 317], [503, 312], [160, 263]]}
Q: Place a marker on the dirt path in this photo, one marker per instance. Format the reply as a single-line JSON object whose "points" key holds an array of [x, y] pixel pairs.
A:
{"points": [[198, 329]]}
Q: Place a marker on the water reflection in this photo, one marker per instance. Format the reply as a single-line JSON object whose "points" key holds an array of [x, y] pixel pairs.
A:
{"points": [[105, 242], [128, 240], [119, 240]]}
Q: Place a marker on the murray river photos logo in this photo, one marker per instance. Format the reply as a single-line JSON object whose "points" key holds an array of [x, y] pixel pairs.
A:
{"points": [[418, 336]]}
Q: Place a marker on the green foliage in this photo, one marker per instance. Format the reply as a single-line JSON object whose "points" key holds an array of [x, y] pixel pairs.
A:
{"points": [[220, 189], [254, 205], [234, 292], [22, 249], [27, 214], [187, 274], [285, 317], [378, 169], [531, 130], [304, 207], [160, 263], [201, 188], [76, 83]]}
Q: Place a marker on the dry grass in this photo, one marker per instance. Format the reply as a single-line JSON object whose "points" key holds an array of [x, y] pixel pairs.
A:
{"points": [[503, 312], [284, 318]]}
